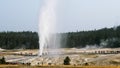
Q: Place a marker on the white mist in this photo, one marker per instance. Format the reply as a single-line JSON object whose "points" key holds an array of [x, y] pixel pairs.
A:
{"points": [[47, 25]]}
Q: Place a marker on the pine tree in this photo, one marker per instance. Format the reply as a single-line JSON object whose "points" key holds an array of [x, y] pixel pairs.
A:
{"points": [[67, 61], [2, 61]]}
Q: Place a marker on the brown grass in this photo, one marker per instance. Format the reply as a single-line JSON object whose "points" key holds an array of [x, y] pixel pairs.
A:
{"points": [[20, 66]]}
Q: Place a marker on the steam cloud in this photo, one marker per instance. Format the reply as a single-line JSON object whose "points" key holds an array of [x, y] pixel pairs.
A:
{"points": [[47, 26]]}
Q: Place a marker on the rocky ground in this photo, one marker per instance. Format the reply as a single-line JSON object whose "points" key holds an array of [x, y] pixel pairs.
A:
{"points": [[56, 57]]}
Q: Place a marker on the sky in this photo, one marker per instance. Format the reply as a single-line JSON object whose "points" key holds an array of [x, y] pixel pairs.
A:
{"points": [[71, 15]]}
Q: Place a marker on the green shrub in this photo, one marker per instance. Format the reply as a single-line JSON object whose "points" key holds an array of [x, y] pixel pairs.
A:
{"points": [[67, 61], [2, 60]]}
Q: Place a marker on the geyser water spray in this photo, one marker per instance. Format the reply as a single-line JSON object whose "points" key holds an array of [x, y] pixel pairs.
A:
{"points": [[47, 23]]}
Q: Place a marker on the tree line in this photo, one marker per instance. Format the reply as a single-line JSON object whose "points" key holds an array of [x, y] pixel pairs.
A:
{"points": [[105, 37], [19, 40]]}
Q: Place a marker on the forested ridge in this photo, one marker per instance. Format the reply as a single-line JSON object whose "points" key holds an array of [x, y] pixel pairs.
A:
{"points": [[16, 40], [105, 37]]}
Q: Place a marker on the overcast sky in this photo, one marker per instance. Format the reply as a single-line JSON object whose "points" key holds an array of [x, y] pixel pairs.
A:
{"points": [[72, 15]]}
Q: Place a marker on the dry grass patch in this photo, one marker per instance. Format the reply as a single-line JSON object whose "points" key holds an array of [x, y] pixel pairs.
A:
{"points": [[62, 66]]}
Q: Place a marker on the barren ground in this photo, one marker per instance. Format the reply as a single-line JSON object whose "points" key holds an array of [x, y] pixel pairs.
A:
{"points": [[55, 58]]}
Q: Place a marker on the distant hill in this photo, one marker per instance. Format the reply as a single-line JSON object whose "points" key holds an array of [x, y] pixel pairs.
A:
{"points": [[19, 40], [106, 38]]}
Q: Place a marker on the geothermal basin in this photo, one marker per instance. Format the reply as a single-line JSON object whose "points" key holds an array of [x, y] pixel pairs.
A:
{"points": [[105, 56]]}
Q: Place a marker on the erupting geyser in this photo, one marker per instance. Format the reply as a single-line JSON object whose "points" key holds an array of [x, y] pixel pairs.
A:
{"points": [[47, 23]]}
